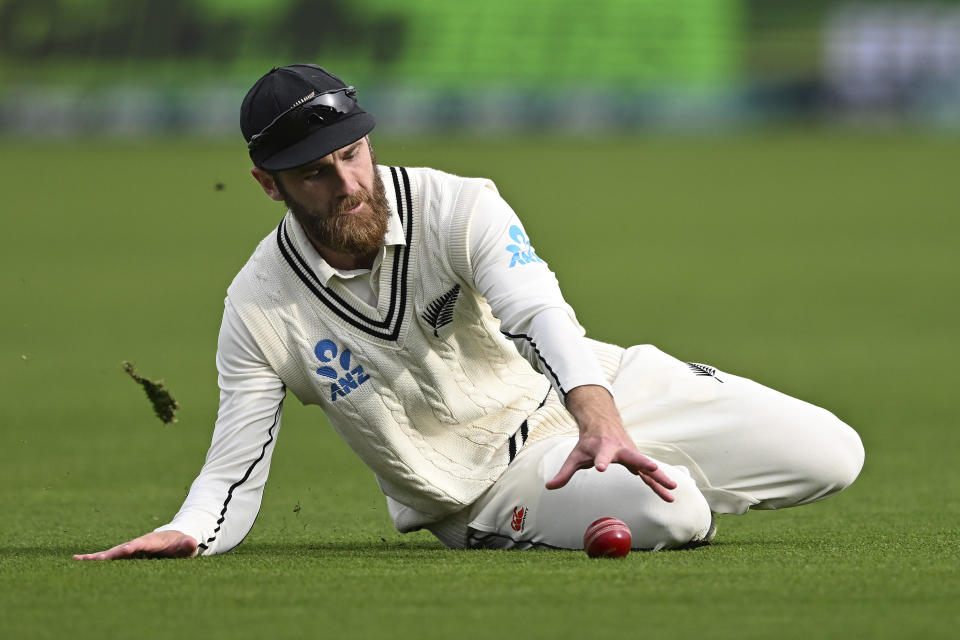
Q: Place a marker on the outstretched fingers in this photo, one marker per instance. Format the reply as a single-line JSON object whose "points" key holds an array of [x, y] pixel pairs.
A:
{"points": [[651, 474], [575, 461], [604, 457], [658, 486], [648, 470], [124, 550], [638, 463]]}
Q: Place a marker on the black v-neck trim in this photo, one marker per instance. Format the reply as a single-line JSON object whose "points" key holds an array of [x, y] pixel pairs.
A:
{"points": [[389, 327]]}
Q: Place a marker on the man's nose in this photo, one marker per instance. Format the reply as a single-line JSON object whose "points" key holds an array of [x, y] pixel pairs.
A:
{"points": [[346, 180]]}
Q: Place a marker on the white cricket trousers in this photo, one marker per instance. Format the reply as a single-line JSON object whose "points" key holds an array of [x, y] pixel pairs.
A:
{"points": [[729, 443]]}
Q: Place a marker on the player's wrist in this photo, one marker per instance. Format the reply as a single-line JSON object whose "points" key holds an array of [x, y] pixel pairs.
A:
{"points": [[593, 408]]}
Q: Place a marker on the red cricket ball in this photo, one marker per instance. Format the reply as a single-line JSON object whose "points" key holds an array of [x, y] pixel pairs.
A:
{"points": [[607, 538]]}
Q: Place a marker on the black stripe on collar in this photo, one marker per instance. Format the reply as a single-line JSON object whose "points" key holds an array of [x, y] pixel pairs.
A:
{"points": [[389, 327]]}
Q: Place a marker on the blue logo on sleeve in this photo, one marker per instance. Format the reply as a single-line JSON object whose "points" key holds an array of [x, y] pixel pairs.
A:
{"points": [[521, 252], [347, 379]]}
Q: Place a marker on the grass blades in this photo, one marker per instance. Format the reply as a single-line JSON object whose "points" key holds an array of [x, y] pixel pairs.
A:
{"points": [[822, 264]]}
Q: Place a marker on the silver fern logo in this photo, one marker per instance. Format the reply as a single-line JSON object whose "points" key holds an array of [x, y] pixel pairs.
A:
{"points": [[703, 370], [439, 313]]}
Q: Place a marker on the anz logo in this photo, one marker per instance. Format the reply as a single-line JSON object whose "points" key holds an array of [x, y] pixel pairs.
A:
{"points": [[346, 379], [522, 252]]}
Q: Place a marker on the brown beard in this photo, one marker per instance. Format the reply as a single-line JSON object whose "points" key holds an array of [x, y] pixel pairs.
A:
{"points": [[357, 234]]}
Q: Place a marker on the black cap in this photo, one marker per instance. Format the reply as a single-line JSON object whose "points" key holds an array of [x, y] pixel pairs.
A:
{"points": [[283, 88]]}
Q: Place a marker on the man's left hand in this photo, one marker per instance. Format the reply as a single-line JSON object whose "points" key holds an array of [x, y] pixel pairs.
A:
{"points": [[604, 441]]}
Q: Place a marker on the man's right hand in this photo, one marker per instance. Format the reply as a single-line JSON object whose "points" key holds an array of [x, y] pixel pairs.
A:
{"points": [[159, 544]]}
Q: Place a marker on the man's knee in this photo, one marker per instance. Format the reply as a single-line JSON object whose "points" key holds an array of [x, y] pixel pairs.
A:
{"points": [[829, 462], [669, 525], [841, 458]]}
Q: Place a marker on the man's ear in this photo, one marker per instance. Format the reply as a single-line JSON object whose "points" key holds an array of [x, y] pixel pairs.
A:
{"points": [[267, 183]]}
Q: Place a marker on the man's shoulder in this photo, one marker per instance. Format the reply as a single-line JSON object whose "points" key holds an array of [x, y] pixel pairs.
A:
{"points": [[439, 195], [266, 257], [435, 178]]}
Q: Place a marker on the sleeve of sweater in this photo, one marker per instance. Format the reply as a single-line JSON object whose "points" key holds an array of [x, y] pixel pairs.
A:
{"points": [[224, 500], [524, 294]]}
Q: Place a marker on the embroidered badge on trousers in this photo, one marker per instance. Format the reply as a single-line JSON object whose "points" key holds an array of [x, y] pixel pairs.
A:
{"points": [[519, 518], [703, 370]]}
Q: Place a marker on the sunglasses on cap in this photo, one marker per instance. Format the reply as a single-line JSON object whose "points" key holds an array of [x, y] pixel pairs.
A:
{"points": [[297, 121]]}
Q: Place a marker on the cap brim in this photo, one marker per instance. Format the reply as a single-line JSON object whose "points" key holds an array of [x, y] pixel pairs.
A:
{"points": [[321, 142]]}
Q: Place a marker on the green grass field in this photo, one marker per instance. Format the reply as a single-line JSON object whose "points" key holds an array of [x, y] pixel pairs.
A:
{"points": [[823, 264]]}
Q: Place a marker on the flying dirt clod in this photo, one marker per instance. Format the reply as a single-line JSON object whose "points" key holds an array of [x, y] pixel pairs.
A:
{"points": [[163, 403]]}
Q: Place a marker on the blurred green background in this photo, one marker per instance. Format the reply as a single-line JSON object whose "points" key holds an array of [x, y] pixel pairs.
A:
{"points": [[764, 186], [128, 67]]}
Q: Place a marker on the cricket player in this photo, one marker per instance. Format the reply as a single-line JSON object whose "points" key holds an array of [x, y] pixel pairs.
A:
{"points": [[411, 306]]}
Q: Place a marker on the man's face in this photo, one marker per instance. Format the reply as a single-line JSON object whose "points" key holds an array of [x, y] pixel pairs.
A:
{"points": [[339, 199]]}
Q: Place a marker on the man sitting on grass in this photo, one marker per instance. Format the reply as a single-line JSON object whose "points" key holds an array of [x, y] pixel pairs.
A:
{"points": [[411, 305]]}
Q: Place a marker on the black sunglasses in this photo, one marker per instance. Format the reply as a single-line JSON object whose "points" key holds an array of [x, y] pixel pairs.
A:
{"points": [[297, 121]]}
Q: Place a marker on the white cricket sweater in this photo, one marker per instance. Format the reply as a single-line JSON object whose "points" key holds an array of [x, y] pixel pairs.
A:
{"points": [[425, 386]]}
